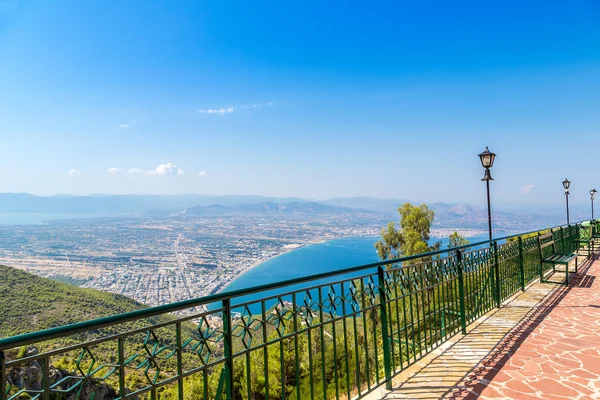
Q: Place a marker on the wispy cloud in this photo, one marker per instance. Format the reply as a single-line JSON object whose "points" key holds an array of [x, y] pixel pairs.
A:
{"points": [[168, 169], [527, 188], [259, 105], [74, 172], [227, 110], [201, 173], [219, 111], [114, 171], [128, 124]]}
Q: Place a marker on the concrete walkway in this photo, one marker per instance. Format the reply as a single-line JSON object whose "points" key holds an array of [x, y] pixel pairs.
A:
{"points": [[543, 343]]}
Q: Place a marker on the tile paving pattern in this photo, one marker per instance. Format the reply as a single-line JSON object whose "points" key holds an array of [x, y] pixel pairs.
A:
{"points": [[542, 344]]}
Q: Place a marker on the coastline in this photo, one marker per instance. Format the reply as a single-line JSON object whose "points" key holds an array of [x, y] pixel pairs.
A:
{"points": [[297, 246], [439, 234], [260, 262], [257, 263]]}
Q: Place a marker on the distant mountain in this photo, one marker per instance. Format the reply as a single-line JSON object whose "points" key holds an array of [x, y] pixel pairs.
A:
{"points": [[121, 204], [369, 203], [467, 216], [269, 207], [447, 215]]}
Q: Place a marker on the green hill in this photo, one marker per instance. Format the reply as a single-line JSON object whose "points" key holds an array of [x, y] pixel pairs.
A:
{"points": [[31, 303]]}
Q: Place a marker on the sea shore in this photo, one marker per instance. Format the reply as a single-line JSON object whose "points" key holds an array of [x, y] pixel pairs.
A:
{"points": [[288, 248]]}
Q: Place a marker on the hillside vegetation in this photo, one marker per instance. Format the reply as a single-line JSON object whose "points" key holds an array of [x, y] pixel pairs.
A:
{"points": [[31, 303]]}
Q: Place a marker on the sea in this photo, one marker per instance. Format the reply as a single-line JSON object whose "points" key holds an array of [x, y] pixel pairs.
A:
{"points": [[329, 256], [42, 218]]}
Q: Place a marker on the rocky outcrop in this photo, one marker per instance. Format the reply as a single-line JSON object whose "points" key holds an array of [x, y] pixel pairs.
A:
{"points": [[29, 377]]}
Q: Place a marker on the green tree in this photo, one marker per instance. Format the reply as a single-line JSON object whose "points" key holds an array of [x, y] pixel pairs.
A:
{"points": [[413, 235], [457, 240]]}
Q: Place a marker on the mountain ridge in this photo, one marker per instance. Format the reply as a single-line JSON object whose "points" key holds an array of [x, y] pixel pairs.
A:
{"points": [[32, 303], [269, 207], [99, 205]]}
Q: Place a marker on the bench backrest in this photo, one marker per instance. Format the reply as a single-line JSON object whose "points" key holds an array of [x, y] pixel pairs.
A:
{"points": [[545, 240], [585, 232]]}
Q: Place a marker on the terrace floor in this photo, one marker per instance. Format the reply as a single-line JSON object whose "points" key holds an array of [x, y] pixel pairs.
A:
{"points": [[543, 343]]}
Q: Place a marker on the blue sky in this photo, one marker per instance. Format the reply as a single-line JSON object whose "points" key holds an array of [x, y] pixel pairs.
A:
{"points": [[311, 99]]}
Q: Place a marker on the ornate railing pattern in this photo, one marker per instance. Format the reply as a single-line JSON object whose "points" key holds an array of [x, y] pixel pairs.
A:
{"points": [[333, 335]]}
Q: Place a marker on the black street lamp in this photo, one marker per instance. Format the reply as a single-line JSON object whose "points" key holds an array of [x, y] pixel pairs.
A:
{"points": [[566, 185], [487, 160], [592, 193]]}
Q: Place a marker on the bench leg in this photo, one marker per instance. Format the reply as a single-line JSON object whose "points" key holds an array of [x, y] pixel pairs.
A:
{"points": [[567, 274], [589, 249], [575, 264]]}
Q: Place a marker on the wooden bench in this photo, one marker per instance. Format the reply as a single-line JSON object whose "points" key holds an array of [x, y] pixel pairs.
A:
{"points": [[586, 238], [556, 258]]}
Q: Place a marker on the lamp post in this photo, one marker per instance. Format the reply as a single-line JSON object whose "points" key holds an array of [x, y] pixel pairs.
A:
{"points": [[566, 185], [592, 193], [487, 160]]}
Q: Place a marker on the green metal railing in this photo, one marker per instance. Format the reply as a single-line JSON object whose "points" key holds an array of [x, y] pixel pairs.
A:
{"points": [[316, 338]]}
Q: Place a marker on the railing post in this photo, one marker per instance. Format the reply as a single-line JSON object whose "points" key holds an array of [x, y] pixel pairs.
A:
{"points": [[461, 293], [521, 263], [564, 251], [179, 360], [2, 376], [496, 273], [228, 349], [541, 256], [443, 323], [384, 328], [46, 377], [121, 350]]}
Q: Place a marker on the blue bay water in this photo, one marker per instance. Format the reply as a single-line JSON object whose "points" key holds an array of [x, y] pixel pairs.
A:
{"points": [[309, 260]]}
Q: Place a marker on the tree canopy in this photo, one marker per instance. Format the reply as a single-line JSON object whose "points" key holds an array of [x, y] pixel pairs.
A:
{"points": [[413, 235], [456, 240]]}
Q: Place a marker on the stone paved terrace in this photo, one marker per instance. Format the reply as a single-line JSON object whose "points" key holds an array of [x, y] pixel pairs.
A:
{"points": [[543, 343]]}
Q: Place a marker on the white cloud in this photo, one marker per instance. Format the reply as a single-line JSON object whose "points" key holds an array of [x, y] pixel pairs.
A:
{"points": [[201, 173], [114, 171], [220, 111], [124, 126], [527, 188], [74, 172], [167, 169]]}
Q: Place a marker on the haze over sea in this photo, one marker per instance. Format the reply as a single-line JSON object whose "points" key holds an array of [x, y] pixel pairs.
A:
{"points": [[317, 258]]}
